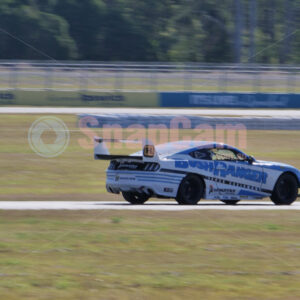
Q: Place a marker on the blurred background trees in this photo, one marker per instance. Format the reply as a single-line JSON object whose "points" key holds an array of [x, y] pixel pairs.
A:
{"points": [[264, 31]]}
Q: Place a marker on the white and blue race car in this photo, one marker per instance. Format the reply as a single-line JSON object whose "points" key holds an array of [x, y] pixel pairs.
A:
{"points": [[192, 170]]}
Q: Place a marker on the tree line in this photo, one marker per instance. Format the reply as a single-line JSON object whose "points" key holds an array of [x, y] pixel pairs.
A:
{"points": [[211, 31]]}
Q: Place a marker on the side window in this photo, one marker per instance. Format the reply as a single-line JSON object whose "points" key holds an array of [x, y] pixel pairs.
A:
{"points": [[218, 154], [201, 154], [223, 154]]}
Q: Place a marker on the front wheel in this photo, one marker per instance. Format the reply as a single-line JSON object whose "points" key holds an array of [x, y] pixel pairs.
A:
{"points": [[135, 198], [286, 190], [191, 190], [230, 202]]}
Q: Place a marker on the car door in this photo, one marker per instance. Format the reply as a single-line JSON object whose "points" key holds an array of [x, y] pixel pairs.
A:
{"points": [[236, 176], [202, 164]]}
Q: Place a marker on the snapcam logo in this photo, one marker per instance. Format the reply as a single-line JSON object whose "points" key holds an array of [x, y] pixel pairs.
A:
{"points": [[48, 136]]}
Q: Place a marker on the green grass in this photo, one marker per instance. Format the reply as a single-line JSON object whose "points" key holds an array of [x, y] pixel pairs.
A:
{"points": [[134, 254], [74, 175], [153, 255]]}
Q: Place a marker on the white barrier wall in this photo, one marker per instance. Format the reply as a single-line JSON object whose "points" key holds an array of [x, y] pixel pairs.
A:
{"points": [[190, 122]]}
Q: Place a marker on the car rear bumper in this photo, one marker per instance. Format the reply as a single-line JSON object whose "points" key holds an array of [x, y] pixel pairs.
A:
{"points": [[143, 182]]}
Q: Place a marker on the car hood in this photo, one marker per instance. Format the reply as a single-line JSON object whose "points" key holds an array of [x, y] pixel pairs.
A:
{"points": [[277, 166]]}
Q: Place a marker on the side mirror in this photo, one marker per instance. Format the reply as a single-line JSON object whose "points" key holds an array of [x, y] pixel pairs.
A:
{"points": [[251, 159]]}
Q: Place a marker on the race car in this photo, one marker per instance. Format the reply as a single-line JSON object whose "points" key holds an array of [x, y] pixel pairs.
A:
{"points": [[192, 170]]}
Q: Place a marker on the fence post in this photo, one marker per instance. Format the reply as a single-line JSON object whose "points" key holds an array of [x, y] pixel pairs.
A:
{"points": [[290, 85], [256, 88], [48, 77], [82, 80], [153, 81], [187, 79], [222, 82], [118, 79], [13, 77]]}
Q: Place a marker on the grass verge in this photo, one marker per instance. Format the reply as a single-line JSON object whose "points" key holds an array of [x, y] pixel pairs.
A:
{"points": [[74, 175], [153, 255]]}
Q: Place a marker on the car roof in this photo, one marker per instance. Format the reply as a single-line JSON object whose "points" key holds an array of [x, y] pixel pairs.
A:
{"points": [[186, 146]]}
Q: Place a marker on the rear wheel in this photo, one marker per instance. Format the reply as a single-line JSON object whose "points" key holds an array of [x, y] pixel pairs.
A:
{"points": [[286, 190], [191, 190], [230, 202], [135, 198]]}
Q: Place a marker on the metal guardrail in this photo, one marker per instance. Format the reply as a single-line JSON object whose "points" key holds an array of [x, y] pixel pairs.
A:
{"points": [[153, 77]]}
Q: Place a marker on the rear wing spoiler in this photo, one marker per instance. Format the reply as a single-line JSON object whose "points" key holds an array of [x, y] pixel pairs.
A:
{"points": [[111, 157], [101, 151]]}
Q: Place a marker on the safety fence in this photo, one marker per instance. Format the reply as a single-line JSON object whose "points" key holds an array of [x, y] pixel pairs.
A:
{"points": [[151, 77], [148, 85]]}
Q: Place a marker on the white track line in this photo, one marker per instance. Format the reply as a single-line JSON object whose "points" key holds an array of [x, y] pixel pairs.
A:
{"points": [[151, 111], [149, 206]]}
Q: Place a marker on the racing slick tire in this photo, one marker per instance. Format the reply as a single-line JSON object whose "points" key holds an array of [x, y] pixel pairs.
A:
{"points": [[135, 198], [191, 190], [230, 202], [286, 190]]}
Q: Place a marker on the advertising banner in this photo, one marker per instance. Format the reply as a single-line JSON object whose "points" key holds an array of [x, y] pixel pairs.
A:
{"points": [[230, 100], [73, 98]]}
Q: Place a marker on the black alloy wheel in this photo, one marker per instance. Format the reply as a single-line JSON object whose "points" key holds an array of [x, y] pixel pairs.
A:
{"points": [[135, 198], [191, 190], [286, 190]]}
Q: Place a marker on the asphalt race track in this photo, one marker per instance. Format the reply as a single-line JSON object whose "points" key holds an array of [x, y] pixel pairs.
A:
{"points": [[150, 206], [289, 113]]}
